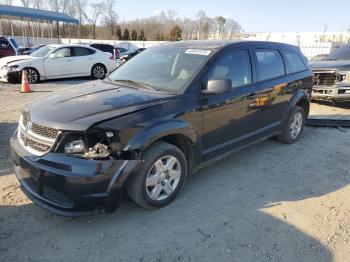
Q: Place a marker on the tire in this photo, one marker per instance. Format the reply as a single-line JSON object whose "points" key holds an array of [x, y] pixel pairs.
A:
{"points": [[294, 126], [151, 188], [98, 71], [32, 75]]}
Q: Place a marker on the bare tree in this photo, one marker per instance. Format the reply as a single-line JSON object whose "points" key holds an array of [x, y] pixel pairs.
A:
{"points": [[111, 16], [94, 16]]}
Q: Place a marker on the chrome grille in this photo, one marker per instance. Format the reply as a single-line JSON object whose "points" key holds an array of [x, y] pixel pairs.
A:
{"points": [[35, 138], [327, 78], [44, 131]]}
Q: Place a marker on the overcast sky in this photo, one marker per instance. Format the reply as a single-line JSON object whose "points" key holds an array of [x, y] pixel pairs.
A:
{"points": [[253, 15]]}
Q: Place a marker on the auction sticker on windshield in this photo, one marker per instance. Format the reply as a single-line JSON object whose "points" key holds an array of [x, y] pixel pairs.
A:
{"points": [[198, 52]]}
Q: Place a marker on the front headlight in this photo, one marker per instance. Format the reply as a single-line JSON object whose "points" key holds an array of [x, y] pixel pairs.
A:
{"points": [[10, 68], [344, 76], [96, 144], [75, 147]]}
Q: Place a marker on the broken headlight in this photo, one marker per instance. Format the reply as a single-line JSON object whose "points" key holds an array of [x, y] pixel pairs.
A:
{"points": [[96, 144], [344, 76]]}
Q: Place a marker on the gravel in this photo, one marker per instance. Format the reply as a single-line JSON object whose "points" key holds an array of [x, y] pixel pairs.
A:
{"points": [[271, 202]]}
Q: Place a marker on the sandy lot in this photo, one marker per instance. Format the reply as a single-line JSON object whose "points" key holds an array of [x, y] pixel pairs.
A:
{"points": [[271, 202]]}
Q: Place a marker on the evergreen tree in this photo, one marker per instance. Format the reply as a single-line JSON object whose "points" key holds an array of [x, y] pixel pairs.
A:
{"points": [[126, 35], [176, 33]]}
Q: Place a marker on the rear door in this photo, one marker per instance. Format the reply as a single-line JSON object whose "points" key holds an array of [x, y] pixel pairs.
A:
{"points": [[83, 60], [229, 121], [271, 94]]}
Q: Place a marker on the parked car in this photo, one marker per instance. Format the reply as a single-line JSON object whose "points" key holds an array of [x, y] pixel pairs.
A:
{"points": [[157, 119], [332, 76], [58, 61], [131, 54], [8, 47], [319, 57]]}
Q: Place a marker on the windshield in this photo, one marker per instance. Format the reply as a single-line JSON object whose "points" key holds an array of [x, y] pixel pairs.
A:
{"points": [[43, 51], [162, 68], [342, 53]]}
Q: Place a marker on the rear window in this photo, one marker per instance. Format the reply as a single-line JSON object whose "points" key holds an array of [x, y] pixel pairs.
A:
{"points": [[81, 51], [294, 63], [269, 64], [103, 48]]}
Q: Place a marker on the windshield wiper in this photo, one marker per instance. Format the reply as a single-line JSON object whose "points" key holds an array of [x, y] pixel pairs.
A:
{"points": [[135, 82]]}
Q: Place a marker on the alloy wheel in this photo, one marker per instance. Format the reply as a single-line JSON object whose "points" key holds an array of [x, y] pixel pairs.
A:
{"points": [[98, 72], [32, 76], [296, 125], [163, 178]]}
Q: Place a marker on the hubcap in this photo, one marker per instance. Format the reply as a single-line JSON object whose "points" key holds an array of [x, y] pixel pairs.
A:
{"points": [[163, 178], [32, 76], [296, 125], [99, 72]]}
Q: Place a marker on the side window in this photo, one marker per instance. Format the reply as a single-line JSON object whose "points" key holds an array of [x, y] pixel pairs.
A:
{"points": [[234, 65], [81, 51], [294, 62], [269, 64], [63, 52]]}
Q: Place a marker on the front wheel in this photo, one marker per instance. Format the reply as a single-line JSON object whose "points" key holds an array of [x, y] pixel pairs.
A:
{"points": [[161, 176], [294, 126], [32, 75], [98, 71]]}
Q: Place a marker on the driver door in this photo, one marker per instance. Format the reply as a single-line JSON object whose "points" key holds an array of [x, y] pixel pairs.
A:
{"points": [[58, 64], [229, 120]]}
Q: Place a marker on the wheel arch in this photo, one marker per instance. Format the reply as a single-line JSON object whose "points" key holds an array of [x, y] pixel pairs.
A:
{"points": [[179, 134], [96, 64], [301, 99], [31, 67]]}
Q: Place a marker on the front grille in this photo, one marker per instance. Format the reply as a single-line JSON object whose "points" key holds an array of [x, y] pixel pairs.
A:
{"points": [[37, 146], [35, 138], [55, 196], [325, 78], [44, 131]]}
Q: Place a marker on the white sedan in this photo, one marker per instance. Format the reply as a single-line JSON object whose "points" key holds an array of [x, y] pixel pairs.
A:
{"points": [[58, 61]]}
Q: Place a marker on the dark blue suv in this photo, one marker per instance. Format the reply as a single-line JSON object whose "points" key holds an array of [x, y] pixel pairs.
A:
{"points": [[155, 120]]}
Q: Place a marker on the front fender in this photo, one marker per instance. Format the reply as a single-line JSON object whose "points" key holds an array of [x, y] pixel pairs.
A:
{"points": [[155, 132]]}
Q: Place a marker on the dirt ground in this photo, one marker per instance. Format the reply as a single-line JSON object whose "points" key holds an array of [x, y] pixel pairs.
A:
{"points": [[271, 202]]}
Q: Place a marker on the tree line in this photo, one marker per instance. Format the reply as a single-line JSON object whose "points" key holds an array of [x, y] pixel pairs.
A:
{"points": [[99, 20]]}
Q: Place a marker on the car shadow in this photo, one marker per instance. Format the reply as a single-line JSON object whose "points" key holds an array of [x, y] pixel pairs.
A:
{"points": [[6, 131], [219, 216]]}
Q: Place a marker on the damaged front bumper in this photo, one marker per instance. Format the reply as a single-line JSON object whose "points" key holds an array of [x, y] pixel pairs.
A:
{"points": [[336, 93], [70, 186], [9, 76]]}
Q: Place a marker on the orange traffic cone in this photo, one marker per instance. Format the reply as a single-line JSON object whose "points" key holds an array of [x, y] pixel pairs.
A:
{"points": [[25, 88]]}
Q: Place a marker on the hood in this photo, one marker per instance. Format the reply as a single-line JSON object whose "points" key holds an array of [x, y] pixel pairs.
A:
{"points": [[12, 59], [78, 107], [340, 65]]}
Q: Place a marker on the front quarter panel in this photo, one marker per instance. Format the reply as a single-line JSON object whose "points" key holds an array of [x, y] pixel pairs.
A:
{"points": [[180, 116]]}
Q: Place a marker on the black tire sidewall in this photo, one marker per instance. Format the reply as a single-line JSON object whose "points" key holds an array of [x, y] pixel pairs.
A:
{"points": [[146, 167]]}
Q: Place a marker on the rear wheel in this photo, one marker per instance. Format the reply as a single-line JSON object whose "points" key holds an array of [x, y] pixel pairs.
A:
{"points": [[294, 127], [98, 71], [161, 176]]}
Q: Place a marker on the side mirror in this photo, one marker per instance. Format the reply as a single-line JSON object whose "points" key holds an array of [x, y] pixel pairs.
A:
{"points": [[218, 86], [52, 56]]}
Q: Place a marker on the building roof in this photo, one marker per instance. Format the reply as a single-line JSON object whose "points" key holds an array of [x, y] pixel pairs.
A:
{"points": [[31, 13]]}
